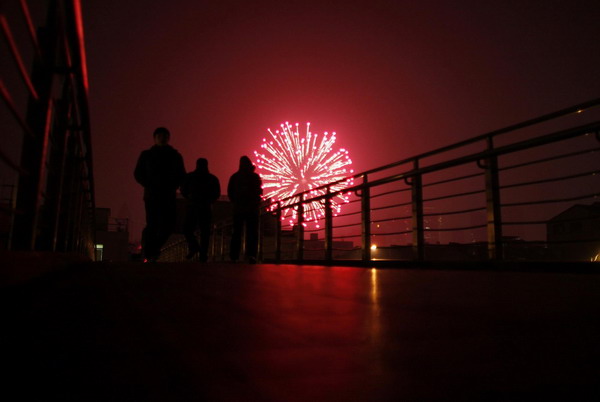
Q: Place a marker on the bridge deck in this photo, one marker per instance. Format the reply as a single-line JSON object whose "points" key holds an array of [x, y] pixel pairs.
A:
{"points": [[176, 331]]}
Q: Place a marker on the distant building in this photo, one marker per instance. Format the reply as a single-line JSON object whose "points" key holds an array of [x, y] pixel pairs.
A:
{"points": [[314, 248], [574, 234], [112, 237]]}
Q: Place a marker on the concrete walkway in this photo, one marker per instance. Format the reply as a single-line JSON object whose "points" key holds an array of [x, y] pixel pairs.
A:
{"points": [[235, 332]]}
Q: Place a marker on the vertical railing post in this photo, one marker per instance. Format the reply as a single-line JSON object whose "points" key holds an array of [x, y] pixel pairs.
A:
{"points": [[300, 230], [222, 242], [418, 233], [33, 151], [213, 243], [493, 206], [259, 252], [56, 172], [278, 233], [328, 227], [365, 194], [65, 240]]}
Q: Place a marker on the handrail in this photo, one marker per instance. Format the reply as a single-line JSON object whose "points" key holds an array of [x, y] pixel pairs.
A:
{"points": [[495, 199], [579, 108], [526, 144]]}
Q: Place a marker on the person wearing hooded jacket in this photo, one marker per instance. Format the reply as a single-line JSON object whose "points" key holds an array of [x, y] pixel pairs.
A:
{"points": [[201, 189], [160, 171], [244, 191]]}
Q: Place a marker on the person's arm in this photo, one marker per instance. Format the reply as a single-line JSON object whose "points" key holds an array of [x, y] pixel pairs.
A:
{"points": [[140, 170], [259, 184]]}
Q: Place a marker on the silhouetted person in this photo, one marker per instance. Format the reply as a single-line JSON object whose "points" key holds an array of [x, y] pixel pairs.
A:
{"points": [[201, 189], [244, 191], [160, 170]]}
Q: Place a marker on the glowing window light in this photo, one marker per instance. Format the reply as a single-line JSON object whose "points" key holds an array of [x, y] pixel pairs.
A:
{"points": [[290, 163]]}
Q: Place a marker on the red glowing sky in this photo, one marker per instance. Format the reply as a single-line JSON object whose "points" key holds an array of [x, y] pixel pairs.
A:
{"points": [[392, 78]]}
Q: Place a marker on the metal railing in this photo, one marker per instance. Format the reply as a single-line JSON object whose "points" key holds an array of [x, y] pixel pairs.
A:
{"points": [[528, 192], [46, 155]]}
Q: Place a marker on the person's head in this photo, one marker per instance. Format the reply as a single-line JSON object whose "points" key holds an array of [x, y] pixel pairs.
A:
{"points": [[246, 163], [202, 165], [161, 136]]}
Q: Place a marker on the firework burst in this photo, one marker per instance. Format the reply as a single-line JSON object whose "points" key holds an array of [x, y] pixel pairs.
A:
{"points": [[291, 163]]}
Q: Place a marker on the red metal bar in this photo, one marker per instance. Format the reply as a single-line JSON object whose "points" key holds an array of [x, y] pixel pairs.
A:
{"points": [[41, 182], [81, 43], [30, 27], [17, 56]]}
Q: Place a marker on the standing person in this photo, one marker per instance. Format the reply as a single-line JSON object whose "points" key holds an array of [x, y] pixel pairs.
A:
{"points": [[244, 191], [160, 171], [201, 189]]}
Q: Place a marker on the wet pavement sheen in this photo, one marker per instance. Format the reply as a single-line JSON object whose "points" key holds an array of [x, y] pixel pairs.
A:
{"points": [[221, 332]]}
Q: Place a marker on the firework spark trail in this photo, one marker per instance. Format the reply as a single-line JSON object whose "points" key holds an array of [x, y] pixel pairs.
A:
{"points": [[292, 164]]}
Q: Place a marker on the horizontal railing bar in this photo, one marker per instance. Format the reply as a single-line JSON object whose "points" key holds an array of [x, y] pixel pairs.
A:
{"points": [[518, 223], [390, 206], [445, 197], [550, 159], [546, 242], [346, 226], [547, 221], [453, 179], [345, 236], [391, 219], [390, 192], [17, 56], [570, 220], [454, 229], [391, 233], [553, 179], [348, 214], [462, 211], [550, 201]]}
